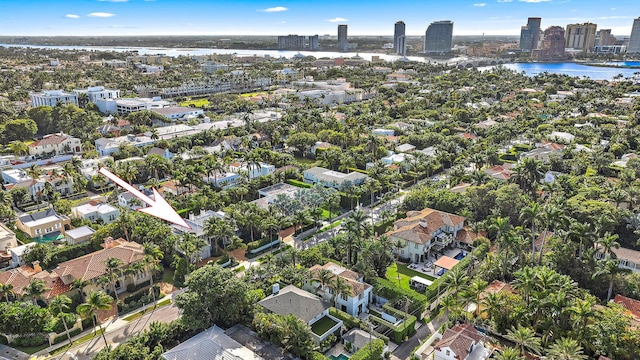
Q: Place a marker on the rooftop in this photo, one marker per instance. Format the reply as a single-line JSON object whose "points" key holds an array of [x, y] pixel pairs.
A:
{"points": [[211, 344], [40, 218], [292, 300]]}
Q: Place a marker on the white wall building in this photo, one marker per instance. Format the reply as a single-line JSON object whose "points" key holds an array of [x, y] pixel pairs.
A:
{"points": [[59, 144], [52, 97], [356, 301], [95, 93], [96, 211], [253, 170]]}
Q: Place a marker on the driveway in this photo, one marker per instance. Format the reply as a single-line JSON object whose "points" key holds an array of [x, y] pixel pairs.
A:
{"points": [[8, 353]]}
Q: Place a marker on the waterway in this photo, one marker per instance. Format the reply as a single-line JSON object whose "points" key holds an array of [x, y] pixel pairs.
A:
{"points": [[574, 69], [530, 69]]}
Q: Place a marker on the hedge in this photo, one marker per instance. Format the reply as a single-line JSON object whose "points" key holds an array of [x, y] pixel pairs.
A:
{"points": [[258, 243], [391, 291], [63, 337], [399, 332], [408, 328], [353, 322], [299, 184], [370, 352], [348, 320], [479, 253], [317, 356]]}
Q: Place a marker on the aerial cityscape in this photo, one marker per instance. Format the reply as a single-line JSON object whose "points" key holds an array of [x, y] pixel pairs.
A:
{"points": [[320, 181]]}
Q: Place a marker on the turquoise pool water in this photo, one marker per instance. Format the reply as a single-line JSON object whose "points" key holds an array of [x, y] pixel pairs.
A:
{"points": [[339, 357]]}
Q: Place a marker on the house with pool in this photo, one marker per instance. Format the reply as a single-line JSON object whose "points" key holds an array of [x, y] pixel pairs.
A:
{"points": [[427, 232]]}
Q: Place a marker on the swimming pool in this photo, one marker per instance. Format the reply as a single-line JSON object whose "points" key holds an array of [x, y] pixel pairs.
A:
{"points": [[339, 357], [460, 255]]}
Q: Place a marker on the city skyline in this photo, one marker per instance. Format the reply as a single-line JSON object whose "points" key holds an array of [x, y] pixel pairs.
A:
{"points": [[251, 17]]}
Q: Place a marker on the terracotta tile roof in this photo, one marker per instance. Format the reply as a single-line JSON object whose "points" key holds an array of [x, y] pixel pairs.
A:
{"points": [[446, 262], [467, 236], [92, 265], [495, 287], [351, 277], [54, 139], [411, 228], [22, 276], [630, 304], [459, 339]]}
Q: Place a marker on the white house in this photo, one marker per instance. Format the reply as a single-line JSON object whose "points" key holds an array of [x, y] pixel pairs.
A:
{"points": [[627, 259], [7, 241], [330, 178], [52, 97], [95, 211], [96, 93], [383, 132], [360, 294], [211, 344], [18, 252], [253, 170], [79, 235], [426, 230], [58, 144], [179, 112], [461, 342], [198, 224], [224, 181]]}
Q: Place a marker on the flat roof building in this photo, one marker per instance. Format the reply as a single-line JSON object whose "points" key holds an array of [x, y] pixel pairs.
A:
{"points": [[52, 97]]}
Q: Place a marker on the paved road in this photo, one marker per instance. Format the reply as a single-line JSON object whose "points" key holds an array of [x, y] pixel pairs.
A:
{"points": [[88, 350], [9, 353], [403, 351]]}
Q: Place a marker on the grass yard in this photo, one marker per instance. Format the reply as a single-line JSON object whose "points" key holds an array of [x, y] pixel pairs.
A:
{"points": [[302, 162], [323, 325], [196, 103], [32, 349], [405, 275], [167, 276], [248, 95]]}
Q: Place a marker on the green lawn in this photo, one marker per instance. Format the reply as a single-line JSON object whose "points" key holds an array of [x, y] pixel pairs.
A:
{"points": [[306, 162], [405, 275], [167, 276], [32, 349], [196, 103], [323, 325]]}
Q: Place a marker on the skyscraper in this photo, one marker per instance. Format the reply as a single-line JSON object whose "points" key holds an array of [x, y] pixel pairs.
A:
{"points": [[552, 47], [634, 40], [605, 38], [530, 34], [291, 42], [438, 37], [402, 45], [343, 43], [313, 42], [398, 30], [581, 36]]}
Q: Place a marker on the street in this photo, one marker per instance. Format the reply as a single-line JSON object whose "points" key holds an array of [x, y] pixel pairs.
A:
{"points": [[89, 349]]}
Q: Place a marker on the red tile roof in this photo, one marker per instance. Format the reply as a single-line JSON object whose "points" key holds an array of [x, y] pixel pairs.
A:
{"points": [[412, 229], [92, 265], [54, 139], [459, 339], [632, 305]]}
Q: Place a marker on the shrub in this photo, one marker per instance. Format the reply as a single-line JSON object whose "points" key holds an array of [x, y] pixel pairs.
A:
{"points": [[317, 356], [390, 290], [258, 243], [299, 184], [373, 352], [348, 320], [29, 341]]}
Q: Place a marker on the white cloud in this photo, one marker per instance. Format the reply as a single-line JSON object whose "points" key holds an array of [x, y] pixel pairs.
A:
{"points": [[505, 0], [480, 4], [338, 19], [72, 16], [101, 14], [534, 1], [613, 8], [274, 9]]}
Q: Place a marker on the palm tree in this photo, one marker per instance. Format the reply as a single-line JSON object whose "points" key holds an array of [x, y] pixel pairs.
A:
{"points": [[191, 246], [324, 276], [525, 281], [509, 353], [566, 349], [524, 337], [339, 287], [582, 311], [609, 268], [33, 171], [6, 291], [474, 291], [18, 147], [79, 284], [218, 229], [34, 290], [58, 307], [112, 265], [97, 301], [531, 215], [152, 257]]}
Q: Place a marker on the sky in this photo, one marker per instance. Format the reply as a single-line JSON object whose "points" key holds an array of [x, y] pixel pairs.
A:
{"points": [[303, 17]]}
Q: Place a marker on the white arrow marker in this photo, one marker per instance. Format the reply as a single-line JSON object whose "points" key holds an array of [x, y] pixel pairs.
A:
{"points": [[159, 207]]}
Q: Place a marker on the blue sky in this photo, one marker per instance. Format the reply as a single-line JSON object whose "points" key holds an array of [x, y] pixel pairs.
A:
{"points": [[250, 17]]}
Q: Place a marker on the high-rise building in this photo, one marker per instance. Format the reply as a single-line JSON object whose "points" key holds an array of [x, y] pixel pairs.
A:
{"points": [[530, 34], [552, 47], [314, 44], [581, 36], [291, 42], [398, 30], [438, 37], [605, 38], [343, 42], [634, 40], [401, 45]]}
